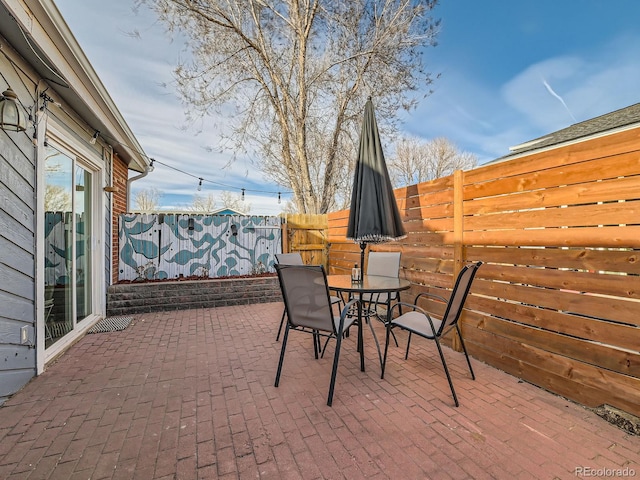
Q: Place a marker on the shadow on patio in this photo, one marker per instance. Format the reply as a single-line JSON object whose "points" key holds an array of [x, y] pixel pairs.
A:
{"points": [[189, 394]]}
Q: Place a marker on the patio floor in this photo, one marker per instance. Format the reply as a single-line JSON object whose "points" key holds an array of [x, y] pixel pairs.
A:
{"points": [[189, 394]]}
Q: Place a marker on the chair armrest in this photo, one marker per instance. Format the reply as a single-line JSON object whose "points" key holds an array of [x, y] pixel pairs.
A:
{"points": [[404, 304], [415, 308], [430, 295], [345, 312]]}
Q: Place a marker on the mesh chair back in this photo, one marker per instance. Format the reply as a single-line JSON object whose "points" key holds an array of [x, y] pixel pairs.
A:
{"points": [[306, 296], [289, 259], [385, 264], [458, 296]]}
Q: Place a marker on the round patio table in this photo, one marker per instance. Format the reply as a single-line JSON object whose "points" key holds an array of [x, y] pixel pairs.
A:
{"points": [[369, 284]]}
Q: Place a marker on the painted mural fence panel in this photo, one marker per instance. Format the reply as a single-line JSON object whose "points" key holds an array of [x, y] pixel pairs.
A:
{"points": [[58, 251], [167, 246]]}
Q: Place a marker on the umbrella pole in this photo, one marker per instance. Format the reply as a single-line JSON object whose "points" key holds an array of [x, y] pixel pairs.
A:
{"points": [[363, 246]]}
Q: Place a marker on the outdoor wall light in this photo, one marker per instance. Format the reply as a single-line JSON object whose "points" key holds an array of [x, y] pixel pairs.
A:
{"points": [[11, 114], [234, 230]]}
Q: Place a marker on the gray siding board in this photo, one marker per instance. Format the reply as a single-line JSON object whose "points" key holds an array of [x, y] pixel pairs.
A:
{"points": [[15, 357], [16, 308], [19, 148], [14, 380], [18, 283], [15, 208], [16, 257], [17, 171], [15, 232], [10, 339]]}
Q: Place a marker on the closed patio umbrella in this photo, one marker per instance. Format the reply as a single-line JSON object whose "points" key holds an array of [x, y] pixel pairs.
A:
{"points": [[374, 215]]}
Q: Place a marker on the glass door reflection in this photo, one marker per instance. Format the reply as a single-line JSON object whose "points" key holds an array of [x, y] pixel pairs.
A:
{"points": [[68, 253], [83, 243]]}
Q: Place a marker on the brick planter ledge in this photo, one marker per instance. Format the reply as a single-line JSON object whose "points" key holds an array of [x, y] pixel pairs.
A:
{"points": [[128, 298]]}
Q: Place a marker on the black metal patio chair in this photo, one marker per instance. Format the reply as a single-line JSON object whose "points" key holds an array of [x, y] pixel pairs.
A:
{"points": [[309, 310], [296, 259], [427, 325]]}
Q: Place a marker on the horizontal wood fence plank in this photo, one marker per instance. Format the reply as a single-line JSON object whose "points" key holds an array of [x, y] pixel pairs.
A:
{"points": [[590, 385], [624, 286], [572, 216], [587, 384], [605, 237], [623, 336], [624, 261], [586, 351], [583, 193], [611, 309], [621, 144]]}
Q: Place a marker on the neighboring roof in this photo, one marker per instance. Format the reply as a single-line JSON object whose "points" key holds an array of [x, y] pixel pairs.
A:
{"points": [[40, 35], [624, 118], [226, 211]]}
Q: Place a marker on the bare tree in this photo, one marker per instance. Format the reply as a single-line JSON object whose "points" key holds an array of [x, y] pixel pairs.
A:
{"points": [[208, 203], [234, 202], [297, 74], [416, 161], [147, 199], [57, 198], [203, 204]]}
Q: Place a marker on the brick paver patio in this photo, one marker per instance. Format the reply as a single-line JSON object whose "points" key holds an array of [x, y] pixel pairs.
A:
{"points": [[189, 395]]}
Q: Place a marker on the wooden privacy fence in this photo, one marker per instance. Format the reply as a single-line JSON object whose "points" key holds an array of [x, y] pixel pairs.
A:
{"points": [[307, 235], [557, 302]]}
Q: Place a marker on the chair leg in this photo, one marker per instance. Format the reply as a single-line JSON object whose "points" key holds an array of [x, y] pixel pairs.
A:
{"points": [[334, 370], [388, 319], [316, 347], [284, 313], [446, 370], [386, 349], [284, 346], [406, 354], [464, 349]]}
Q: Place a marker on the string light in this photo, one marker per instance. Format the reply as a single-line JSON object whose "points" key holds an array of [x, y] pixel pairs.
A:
{"points": [[47, 101], [152, 161]]}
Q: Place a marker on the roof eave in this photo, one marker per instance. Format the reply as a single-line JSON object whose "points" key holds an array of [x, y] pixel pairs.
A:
{"points": [[86, 93]]}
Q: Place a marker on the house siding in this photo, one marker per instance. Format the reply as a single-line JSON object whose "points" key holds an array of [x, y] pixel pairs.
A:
{"points": [[17, 249], [23, 266]]}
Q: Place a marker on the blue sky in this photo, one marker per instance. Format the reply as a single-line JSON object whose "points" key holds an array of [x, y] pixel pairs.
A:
{"points": [[510, 71]]}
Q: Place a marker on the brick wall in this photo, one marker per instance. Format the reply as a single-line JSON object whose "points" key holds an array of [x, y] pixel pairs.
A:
{"points": [[129, 298], [119, 198]]}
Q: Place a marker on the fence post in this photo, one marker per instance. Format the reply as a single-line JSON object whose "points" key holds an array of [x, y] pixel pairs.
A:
{"points": [[458, 235]]}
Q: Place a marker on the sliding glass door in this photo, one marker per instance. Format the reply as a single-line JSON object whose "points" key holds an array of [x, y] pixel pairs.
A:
{"points": [[69, 262]]}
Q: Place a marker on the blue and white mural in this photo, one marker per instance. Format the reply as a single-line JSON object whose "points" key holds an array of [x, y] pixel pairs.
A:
{"points": [[57, 244], [163, 246]]}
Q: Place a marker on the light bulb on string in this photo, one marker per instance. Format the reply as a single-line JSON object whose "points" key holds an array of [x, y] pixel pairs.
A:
{"points": [[242, 196], [279, 201], [200, 185], [151, 167]]}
